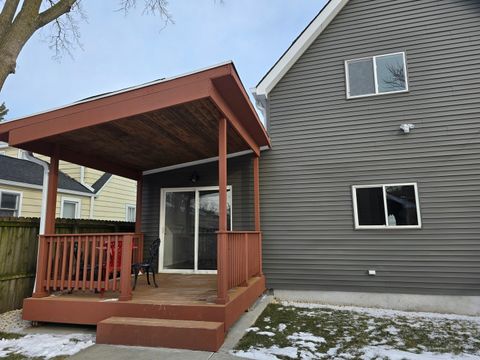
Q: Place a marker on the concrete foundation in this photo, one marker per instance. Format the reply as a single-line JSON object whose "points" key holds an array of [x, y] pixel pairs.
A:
{"points": [[447, 304]]}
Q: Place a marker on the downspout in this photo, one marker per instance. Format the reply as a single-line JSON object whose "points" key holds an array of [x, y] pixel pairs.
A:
{"points": [[43, 210]]}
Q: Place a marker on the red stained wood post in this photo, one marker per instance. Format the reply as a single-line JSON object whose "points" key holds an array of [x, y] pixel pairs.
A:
{"points": [[52, 194], [256, 202], [40, 290], [138, 220], [126, 269], [138, 207], [222, 266]]}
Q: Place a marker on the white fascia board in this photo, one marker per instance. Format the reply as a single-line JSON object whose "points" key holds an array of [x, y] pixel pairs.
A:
{"points": [[200, 162], [301, 44]]}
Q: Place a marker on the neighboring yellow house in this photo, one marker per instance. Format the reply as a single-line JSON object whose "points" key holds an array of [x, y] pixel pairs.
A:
{"points": [[82, 192]]}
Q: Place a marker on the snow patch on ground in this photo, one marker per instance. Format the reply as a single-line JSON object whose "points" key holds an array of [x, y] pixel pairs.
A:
{"points": [[46, 345], [268, 353], [381, 352]]}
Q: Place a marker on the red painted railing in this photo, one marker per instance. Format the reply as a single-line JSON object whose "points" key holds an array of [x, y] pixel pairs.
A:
{"points": [[94, 262], [243, 255]]}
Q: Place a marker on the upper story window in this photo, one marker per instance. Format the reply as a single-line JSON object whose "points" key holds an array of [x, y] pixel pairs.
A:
{"points": [[376, 75], [386, 206], [9, 203]]}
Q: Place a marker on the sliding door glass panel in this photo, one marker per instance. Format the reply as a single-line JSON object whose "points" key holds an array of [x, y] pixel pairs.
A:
{"points": [[208, 214], [179, 239]]}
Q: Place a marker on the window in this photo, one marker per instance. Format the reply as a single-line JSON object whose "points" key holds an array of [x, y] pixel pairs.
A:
{"points": [[376, 75], [130, 213], [70, 208], [9, 203], [386, 206]]}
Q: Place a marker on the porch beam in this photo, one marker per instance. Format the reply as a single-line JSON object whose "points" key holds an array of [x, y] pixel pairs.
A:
{"points": [[233, 120], [222, 249]]}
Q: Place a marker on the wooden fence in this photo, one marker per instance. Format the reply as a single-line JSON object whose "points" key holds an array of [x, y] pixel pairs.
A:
{"points": [[18, 252]]}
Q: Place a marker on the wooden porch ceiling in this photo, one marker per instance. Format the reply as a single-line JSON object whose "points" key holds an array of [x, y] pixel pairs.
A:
{"points": [[161, 124], [159, 138]]}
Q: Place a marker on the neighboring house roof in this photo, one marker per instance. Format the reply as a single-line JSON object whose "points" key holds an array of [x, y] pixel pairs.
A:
{"points": [[26, 172], [296, 49], [100, 183]]}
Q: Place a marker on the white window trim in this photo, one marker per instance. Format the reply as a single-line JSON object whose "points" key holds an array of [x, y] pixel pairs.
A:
{"points": [[385, 227], [374, 58], [127, 207], [20, 199], [78, 206]]}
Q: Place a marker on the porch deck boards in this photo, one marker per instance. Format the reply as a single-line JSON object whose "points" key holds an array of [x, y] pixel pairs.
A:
{"points": [[172, 289]]}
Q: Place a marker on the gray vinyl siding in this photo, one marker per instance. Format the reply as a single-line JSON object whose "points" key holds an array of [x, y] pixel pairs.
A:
{"points": [[239, 177], [323, 144]]}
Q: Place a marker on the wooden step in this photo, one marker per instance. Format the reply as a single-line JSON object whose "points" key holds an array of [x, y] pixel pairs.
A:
{"points": [[181, 334]]}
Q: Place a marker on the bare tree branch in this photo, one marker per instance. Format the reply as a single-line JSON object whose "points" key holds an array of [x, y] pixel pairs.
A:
{"points": [[55, 11], [151, 7]]}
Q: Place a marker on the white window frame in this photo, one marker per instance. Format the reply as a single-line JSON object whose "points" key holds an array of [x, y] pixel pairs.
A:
{"points": [[130, 206], [386, 226], [19, 201], [374, 58], [78, 206]]}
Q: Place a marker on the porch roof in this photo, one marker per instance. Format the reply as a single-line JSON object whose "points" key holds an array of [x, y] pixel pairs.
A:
{"points": [[163, 123]]}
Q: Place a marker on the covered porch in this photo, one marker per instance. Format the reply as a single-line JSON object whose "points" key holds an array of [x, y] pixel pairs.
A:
{"points": [[198, 117]]}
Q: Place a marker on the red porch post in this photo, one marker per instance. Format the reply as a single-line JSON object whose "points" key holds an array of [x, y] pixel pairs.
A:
{"points": [[222, 250], [256, 202], [256, 191], [52, 194], [40, 290], [138, 221], [138, 207]]}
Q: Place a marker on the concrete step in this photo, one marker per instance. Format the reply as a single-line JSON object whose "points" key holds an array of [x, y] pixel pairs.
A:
{"points": [[181, 334]]}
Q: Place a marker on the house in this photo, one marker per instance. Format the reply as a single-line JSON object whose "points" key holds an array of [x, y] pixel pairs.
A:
{"points": [[84, 193], [21, 184], [192, 144], [370, 192], [368, 179]]}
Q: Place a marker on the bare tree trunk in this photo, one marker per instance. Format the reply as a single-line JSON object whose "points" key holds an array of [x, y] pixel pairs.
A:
{"points": [[15, 31]]}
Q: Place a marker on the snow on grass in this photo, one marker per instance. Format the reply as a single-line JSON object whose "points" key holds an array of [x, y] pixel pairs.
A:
{"points": [[310, 331], [45, 346]]}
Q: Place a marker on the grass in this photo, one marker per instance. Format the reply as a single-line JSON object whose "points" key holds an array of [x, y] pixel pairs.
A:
{"points": [[345, 333]]}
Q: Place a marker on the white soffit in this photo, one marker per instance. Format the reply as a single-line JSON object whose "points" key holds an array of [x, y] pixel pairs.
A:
{"points": [[299, 46]]}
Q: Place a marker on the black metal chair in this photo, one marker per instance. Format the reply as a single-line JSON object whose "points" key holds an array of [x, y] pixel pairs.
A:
{"points": [[147, 265]]}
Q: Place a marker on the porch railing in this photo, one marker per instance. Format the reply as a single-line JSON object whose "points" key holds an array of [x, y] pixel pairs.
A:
{"points": [[87, 262], [243, 255]]}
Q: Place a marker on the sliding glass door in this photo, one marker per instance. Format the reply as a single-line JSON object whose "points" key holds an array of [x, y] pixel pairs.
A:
{"points": [[189, 222]]}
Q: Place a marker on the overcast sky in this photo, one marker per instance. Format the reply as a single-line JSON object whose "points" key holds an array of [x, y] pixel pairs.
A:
{"points": [[121, 51]]}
